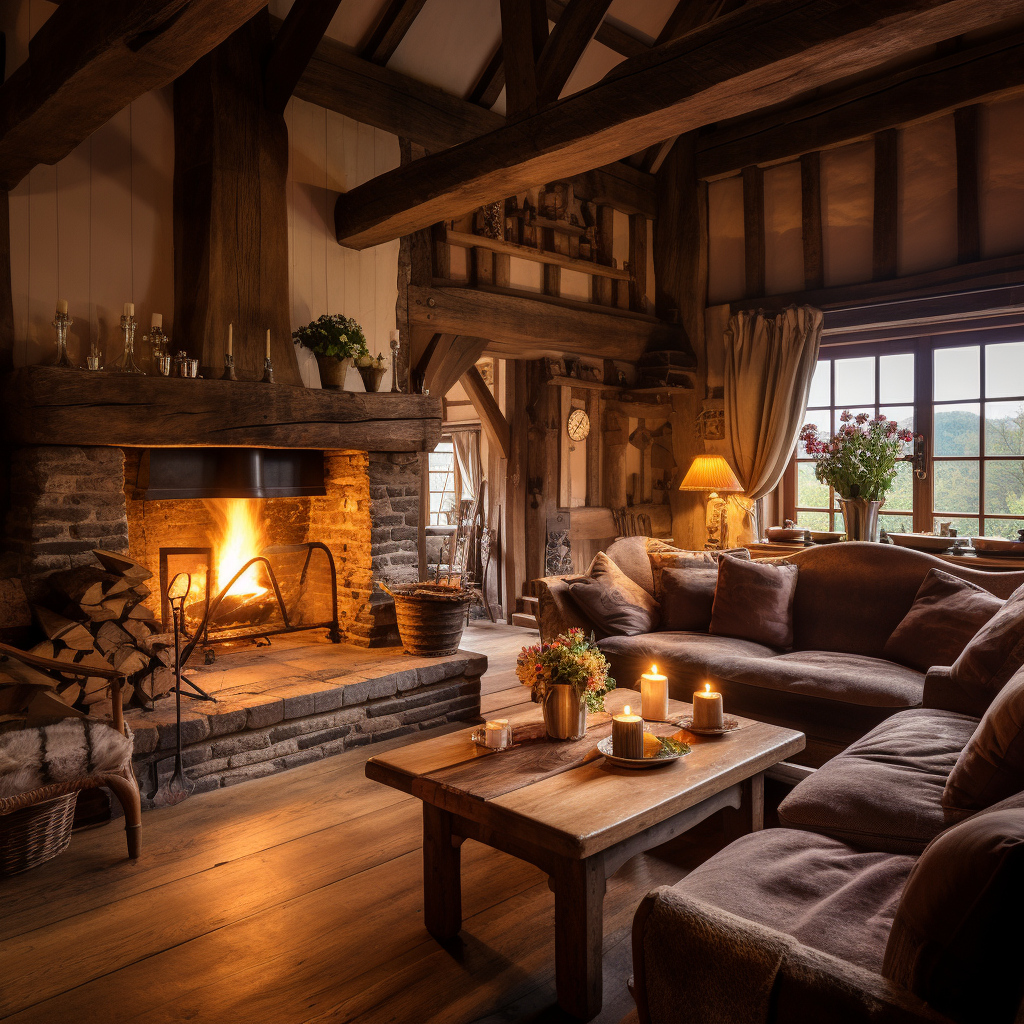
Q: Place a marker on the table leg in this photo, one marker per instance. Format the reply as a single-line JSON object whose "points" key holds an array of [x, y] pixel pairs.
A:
{"points": [[750, 815], [442, 875], [579, 933]]}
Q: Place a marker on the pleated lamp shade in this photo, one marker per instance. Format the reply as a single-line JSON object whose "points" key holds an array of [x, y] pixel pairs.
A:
{"points": [[710, 473]]}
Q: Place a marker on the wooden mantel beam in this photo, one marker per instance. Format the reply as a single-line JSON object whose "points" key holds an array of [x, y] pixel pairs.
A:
{"points": [[91, 59], [385, 99], [757, 56]]}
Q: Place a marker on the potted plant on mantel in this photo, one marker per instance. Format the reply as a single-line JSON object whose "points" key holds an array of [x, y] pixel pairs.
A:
{"points": [[567, 677], [336, 341], [859, 463]]}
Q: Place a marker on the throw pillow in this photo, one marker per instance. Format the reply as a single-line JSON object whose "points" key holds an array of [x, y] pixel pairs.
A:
{"points": [[687, 597], [754, 601], [616, 604], [995, 653], [679, 558], [991, 766], [946, 614], [956, 940]]}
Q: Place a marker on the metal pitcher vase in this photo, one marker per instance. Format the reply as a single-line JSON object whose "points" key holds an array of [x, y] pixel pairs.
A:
{"points": [[860, 518], [565, 715]]}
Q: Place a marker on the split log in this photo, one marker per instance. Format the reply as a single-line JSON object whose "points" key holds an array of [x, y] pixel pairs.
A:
{"points": [[70, 693], [130, 660], [25, 675], [122, 565], [110, 636], [140, 611], [86, 584], [46, 649], [117, 606], [156, 683], [99, 612], [138, 628], [46, 707], [69, 632]]}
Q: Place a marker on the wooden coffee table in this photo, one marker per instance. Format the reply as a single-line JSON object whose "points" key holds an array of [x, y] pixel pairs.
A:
{"points": [[564, 808]]}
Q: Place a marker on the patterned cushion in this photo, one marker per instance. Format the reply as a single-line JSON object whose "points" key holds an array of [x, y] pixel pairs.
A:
{"points": [[616, 604]]}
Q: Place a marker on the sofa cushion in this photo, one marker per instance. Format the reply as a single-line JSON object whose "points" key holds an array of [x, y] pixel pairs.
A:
{"points": [[956, 940], [676, 558], [754, 601], [942, 621], [884, 792], [613, 601], [995, 653], [687, 596], [991, 766], [806, 885]]}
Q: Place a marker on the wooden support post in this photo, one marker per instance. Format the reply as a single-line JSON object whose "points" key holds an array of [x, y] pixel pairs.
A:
{"points": [[502, 270], [6, 299], [638, 263], [524, 32], [885, 231], [968, 227], [552, 272], [753, 230], [593, 444], [230, 211], [514, 533], [604, 288], [810, 205]]}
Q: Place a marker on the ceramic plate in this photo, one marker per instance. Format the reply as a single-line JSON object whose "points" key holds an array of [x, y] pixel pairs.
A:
{"points": [[605, 747], [731, 724], [997, 546], [923, 541]]}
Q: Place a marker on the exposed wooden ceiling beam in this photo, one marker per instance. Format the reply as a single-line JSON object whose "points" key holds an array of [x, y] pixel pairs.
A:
{"points": [[757, 56], [491, 81], [295, 43], [491, 418], [690, 14], [91, 59], [568, 39], [524, 33], [338, 80], [607, 34], [390, 30], [869, 107]]}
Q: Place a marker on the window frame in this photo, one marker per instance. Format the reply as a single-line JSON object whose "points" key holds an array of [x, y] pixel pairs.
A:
{"points": [[923, 349], [452, 475]]}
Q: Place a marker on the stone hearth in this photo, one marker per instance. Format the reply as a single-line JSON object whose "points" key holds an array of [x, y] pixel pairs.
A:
{"points": [[299, 700]]}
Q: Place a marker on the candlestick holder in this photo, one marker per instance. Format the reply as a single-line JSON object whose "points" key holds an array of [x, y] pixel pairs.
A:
{"points": [[395, 345], [61, 322], [229, 367], [159, 345], [268, 371], [126, 364]]}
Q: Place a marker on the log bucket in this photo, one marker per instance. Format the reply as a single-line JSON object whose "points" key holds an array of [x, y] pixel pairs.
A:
{"points": [[430, 617]]}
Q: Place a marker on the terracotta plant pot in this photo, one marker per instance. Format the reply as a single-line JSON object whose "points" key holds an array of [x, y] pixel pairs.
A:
{"points": [[333, 372], [372, 376]]}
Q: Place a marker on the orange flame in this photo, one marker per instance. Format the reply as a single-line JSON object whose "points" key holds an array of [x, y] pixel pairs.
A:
{"points": [[241, 538]]}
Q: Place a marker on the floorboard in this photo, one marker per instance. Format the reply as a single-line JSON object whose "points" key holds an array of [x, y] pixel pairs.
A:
{"points": [[296, 899]]}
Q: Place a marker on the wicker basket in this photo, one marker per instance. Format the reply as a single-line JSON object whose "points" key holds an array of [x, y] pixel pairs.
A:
{"points": [[430, 617], [35, 834]]}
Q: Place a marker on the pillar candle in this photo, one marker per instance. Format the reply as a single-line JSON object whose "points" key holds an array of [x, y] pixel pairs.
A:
{"points": [[707, 709], [268, 342], [62, 306], [654, 696], [496, 733], [157, 323], [394, 336], [628, 735], [231, 337], [129, 309]]}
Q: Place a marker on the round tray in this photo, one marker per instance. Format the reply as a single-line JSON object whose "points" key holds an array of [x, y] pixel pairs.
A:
{"points": [[605, 747], [731, 725]]}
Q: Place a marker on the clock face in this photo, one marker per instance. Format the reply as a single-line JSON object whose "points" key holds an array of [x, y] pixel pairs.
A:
{"points": [[579, 424]]}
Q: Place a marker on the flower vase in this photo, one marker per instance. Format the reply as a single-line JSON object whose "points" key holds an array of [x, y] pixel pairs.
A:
{"points": [[860, 518], [565, 715], [333, 372]]}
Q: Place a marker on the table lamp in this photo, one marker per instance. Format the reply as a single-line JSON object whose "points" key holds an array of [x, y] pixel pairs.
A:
{"points": [[713, 474]]}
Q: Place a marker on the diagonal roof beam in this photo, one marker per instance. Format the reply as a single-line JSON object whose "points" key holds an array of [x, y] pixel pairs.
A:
{"points": [[524, 34], [760, 55], [388, 33], [295, 43], [568, 39]]}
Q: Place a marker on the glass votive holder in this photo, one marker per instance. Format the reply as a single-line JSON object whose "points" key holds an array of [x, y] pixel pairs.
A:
{"points": [[93, 362], [163, 365], [495, 735]]}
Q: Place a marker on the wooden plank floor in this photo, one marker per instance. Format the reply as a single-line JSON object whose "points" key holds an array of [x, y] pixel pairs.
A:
{"points": [[297, 898]]}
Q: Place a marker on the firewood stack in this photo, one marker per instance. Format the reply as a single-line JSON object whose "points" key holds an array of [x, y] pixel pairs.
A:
{"points": [[104, 620]]}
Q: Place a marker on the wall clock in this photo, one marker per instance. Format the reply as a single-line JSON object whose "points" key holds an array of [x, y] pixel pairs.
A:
{"points": [[578, 425]]}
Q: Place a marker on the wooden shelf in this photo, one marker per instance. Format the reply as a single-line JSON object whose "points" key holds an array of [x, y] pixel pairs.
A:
{"points": [[525, 252], [593, 385], [48, 405]]}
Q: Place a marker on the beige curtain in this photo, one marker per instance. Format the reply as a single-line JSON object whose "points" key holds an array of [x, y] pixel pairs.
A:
{"points": [[769, 363], [467, 457]]}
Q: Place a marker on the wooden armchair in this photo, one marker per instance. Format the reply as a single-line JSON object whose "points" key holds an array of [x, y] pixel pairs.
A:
{"points": [[121, 780]]}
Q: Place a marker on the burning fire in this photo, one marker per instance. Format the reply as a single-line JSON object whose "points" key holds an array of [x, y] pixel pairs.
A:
{"points": [[241, 537]]}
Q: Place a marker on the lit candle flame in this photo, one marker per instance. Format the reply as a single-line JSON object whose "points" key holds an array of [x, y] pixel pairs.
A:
{"points": [[654, 670], [627, 710], [707, 687]]}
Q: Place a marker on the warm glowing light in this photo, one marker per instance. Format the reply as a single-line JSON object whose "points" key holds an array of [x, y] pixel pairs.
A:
{"points": [[626, 711], [707, 687], [241, 538], [654, 670]]}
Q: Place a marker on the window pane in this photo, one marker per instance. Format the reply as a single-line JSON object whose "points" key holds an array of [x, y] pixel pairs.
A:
{"points": [[813, 520], [896, 378], [904, 417], [963, 527], [855, 381], [1007, 528], [809, 492], [1004, 428], [957, 429], [1004, 487], [901, 494], [896, 524], [957, 373], [1004, 370], [956, 487], [821, 384]]}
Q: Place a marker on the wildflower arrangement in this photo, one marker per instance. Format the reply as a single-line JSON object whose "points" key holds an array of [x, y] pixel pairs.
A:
{"points": [[570, 658], [335, 336], [860, 460]]}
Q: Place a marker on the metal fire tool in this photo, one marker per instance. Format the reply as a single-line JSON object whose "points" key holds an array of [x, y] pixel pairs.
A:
{"points": [[179, 787]]}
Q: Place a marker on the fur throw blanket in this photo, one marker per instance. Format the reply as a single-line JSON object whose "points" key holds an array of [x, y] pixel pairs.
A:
{"points": [[61, 752]]}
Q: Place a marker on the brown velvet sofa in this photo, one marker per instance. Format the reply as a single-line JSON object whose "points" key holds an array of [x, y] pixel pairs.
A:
{"points": [[833, 685], [867, 905]]}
